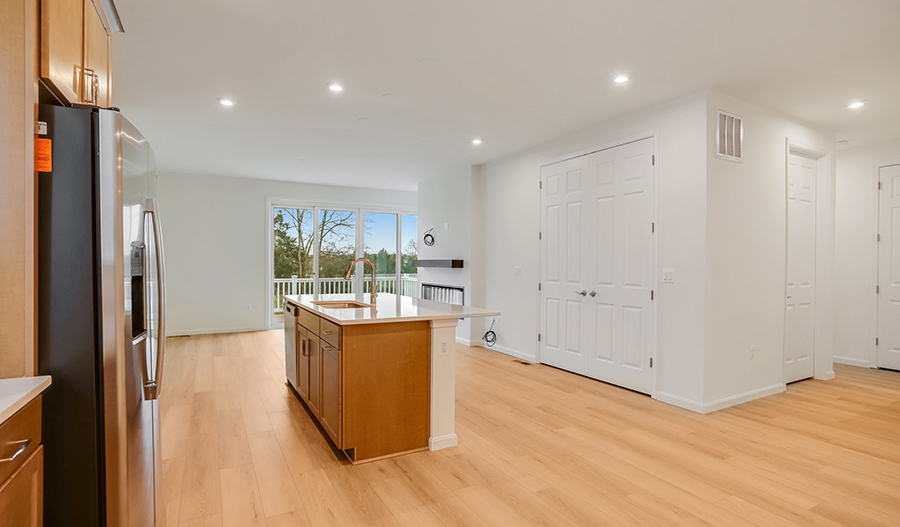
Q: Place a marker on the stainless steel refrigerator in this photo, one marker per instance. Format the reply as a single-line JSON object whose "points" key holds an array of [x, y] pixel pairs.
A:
{"points": [[101, 318]]}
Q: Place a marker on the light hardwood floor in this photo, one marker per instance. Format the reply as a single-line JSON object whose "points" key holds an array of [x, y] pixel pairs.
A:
{"points": [[537, 446]]}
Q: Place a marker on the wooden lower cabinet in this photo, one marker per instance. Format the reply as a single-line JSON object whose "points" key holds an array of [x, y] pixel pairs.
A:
{"points": [[22, 495], [331, 392], [368, 385]]}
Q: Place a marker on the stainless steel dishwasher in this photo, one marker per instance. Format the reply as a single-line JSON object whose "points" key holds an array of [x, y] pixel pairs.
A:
{"points": [[290, 343]]}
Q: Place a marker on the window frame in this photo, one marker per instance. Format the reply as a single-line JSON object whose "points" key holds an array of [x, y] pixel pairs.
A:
{"points": [[357, 207]]}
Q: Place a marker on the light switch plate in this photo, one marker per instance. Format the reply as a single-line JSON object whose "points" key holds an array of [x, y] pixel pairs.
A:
{"points": [[668, 276]]}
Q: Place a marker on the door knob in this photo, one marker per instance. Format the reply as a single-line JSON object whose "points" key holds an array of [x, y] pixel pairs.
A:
{"points": [[582, 293], [593, 293]]}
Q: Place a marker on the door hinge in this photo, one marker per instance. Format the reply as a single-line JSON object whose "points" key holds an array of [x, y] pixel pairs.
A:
{"points": [[539, 337], [540, 184], [540, 236], [651, 362], [651, 294], [653, 159], [877, 290], [653, 226], [879, 237], [879, 185], [876, 341], [539, 287]]}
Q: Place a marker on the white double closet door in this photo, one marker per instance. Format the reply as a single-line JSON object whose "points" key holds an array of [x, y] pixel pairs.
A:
{"points": [[598, 265], [889, 269]]}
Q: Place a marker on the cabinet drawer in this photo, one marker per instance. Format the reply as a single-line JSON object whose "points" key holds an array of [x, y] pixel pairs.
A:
{"points": [[20, 436], [331, 333], [308, 320]]}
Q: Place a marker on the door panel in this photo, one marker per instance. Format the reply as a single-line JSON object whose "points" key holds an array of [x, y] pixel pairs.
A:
{"points": [[889, 269], [303, 344], [799, 328], [625, 186], [597, 236], [563, 259], [315, 374]]}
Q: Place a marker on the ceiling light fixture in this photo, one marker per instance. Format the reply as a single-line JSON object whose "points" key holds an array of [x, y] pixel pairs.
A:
{"points": [[333, 86], [620, 79], [226, 102], [476, 141], [857, 104]]}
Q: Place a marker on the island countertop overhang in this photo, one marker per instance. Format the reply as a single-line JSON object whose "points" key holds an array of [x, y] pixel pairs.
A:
{"points": [[389, 308]]}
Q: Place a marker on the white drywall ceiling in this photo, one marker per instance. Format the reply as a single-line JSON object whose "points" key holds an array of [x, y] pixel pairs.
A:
{"points": [[514, 72]]}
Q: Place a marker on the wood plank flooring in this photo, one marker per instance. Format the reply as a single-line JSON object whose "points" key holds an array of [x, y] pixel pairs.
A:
{"points": [[537, 447]]}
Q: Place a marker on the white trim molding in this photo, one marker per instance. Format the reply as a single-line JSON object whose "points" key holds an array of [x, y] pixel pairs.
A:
{"points": [[705, 408], [213, 331]]}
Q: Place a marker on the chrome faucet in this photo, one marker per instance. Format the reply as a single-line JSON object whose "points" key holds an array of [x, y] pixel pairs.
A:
{"points": [[350, 271]]}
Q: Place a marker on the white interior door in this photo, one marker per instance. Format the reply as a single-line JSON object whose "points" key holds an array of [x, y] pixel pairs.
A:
{"points": [[598, 257], [622, 265], [889, 269], [799, 338], [563, 265]]}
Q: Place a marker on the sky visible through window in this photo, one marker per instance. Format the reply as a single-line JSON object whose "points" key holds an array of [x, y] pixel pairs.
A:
{"points": [[381, 234]]}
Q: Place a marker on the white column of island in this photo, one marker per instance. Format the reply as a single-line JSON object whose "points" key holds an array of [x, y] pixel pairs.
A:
{"points": [[366, 371]]}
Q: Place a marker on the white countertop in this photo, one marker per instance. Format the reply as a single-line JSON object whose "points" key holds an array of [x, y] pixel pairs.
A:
{"points": [[16, 393], [390, 308]]}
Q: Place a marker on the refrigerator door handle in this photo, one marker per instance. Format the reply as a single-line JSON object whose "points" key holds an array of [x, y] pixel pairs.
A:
{"points": [[152, 388]]}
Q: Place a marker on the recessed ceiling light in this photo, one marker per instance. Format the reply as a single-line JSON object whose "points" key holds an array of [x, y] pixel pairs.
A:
{"points": [[620, 79], [226, 102], [857, 104], [333, 86], [476, 141]]}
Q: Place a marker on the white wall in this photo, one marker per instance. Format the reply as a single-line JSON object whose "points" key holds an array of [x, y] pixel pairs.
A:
{"points": [[509, 199], [856, 251], [215, 232], [445, 203], [745, 255]]}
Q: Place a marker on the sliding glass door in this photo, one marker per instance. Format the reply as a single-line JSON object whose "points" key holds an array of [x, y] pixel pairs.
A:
{"points": [[311, 247]]}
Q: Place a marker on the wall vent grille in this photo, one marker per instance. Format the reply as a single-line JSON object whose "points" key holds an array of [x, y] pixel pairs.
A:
{"points": [[730, 137]]}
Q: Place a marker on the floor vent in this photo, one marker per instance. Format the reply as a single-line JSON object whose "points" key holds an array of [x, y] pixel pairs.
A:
{"points": [[730, 136]]}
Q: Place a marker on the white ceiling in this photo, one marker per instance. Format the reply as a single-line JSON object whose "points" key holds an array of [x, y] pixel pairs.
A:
{"points": [[515, 72]]}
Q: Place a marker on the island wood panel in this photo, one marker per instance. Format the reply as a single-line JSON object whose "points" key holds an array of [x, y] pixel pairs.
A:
{"points": [[331, 392], [386, 388]]}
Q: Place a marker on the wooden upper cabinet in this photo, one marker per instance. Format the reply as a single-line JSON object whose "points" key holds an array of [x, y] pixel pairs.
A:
{"points": [[96, 58], [62, 46], [75, 51]]}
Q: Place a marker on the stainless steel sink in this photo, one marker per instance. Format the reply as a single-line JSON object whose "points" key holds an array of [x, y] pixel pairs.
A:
{"points": [[341, 304]]}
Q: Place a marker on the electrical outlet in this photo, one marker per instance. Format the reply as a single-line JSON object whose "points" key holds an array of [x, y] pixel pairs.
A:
{"points": [[517, 271], [752, 352], [249, 307], [443, 346]]}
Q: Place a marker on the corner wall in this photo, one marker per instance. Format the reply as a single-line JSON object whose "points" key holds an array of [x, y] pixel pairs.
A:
{"points": [[856, 252], [509, 204], [215, 233], [746, 253]]}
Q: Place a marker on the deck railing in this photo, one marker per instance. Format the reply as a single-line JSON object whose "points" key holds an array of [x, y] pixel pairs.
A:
{"points": [[337, 286]]}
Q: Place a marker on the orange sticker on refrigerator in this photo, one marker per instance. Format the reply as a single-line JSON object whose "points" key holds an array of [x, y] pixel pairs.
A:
{"points": [[43, 155]]}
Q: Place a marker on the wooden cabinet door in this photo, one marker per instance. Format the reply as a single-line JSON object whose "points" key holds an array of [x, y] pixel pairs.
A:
{"points": [[315, 374], [22, 495], [62, 46], [303, 346], [96, 58], [331, 392]]}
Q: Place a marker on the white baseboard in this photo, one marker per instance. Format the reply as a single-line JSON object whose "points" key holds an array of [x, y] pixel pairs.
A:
{"points": [[680, 402], [508, 351], [705, 408], [464, 342], [743, 397], [212, 331], [438, 443], [863, 363]]}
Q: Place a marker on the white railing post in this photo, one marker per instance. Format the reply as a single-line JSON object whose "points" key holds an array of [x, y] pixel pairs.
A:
{"points": [[294, 284]]}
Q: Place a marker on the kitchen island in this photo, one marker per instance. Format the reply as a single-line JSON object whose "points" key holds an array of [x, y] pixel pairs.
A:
{"points": [[380, 379]]}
